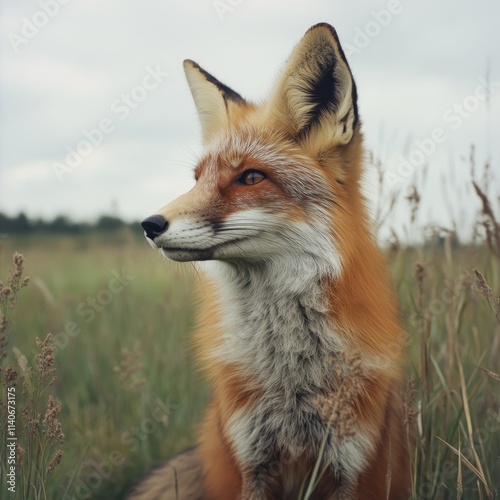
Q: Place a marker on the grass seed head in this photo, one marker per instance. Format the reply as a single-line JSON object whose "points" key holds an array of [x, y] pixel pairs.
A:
{"points": [[337, 407]]}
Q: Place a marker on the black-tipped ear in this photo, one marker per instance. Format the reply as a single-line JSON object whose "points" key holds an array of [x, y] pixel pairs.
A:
{"points": [[211, 97], [315, 99]]}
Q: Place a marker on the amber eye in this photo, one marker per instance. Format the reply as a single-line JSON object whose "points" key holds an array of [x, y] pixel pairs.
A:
{"points": [[250, 177]]}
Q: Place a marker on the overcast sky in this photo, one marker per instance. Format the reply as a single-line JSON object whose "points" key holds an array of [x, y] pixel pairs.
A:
{"points": [[72, 66]]}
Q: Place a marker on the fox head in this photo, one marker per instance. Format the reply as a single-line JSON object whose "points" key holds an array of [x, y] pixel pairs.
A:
{"points": [[278, 178]]}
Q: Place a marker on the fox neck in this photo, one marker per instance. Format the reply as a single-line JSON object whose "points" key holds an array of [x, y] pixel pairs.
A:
{"points": [[290, 274], [275, 324]]}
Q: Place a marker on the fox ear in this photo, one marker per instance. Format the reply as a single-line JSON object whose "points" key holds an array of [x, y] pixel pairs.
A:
{"points": [[315, 99], [212, 99]]}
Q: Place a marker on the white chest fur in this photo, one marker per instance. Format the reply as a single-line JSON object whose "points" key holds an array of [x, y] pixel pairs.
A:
{"points": [[276, 330]]}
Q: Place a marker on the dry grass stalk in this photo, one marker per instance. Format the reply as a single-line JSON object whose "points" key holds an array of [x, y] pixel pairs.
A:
{"points": [[489, 222], [481, 285], [46, 360], [468, 418], [493, 375], [413, 199], [53, 429], [410, 414], [337, 408], [55, 461], [460, 488], [53, 432], [424, 332], [8, 298], [410, 406], [386, 201], [8, 294], [465, 461], [36, 438]]}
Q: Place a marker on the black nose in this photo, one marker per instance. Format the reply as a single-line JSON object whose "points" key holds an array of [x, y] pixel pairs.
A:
{"points": [[154, 226]]}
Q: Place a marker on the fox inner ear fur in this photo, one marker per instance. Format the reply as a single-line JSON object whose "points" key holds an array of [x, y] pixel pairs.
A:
{"points": [[214, 100], [315, 99]]}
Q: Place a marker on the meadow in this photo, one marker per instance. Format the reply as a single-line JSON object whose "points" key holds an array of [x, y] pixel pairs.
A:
{"points": [[126, 394]]}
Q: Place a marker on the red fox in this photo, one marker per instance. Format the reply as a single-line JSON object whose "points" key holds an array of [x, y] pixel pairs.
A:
{"points": [[298, 331]]}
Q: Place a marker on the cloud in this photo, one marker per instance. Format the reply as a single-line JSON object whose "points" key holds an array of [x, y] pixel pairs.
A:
{"points": [[64, 81]]}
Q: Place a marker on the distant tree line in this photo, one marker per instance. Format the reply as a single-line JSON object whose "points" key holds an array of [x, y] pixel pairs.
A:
{"points": [[21, 224]]}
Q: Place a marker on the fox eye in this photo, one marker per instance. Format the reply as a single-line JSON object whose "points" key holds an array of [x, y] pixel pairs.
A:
{"points": [[250, 177]]}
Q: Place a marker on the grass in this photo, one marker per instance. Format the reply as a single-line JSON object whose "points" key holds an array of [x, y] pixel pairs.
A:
{"points": [[453, 338], [120, 321], [129, 394]]}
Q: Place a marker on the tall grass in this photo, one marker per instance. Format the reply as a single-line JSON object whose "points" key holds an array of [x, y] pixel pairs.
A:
{"points": [[449, 295], [454, 348], [127, 396], [31, 432]]}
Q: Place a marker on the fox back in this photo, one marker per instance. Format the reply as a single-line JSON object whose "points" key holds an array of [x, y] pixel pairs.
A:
{"points": [[298, 331]]}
